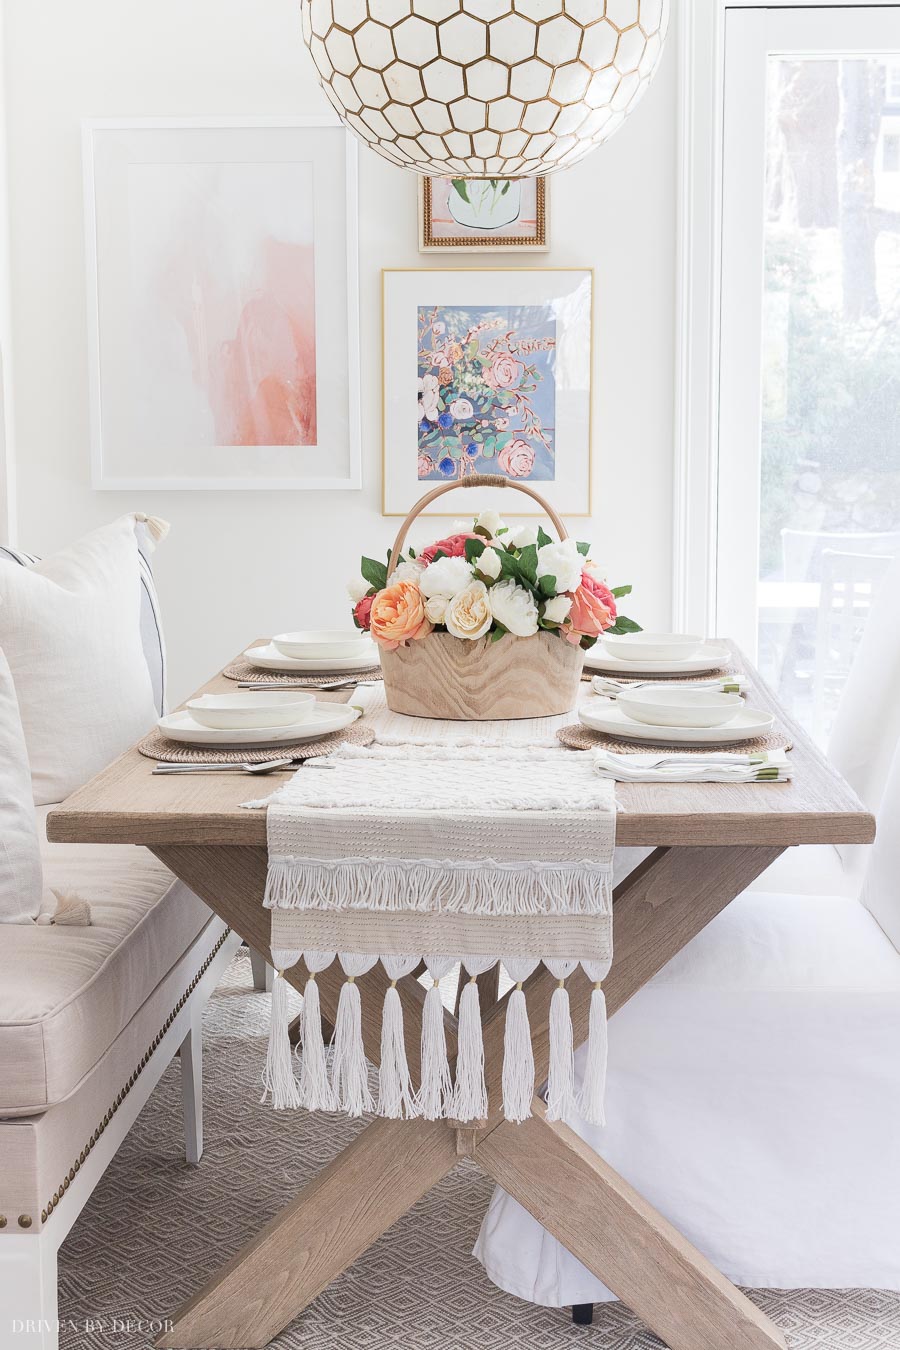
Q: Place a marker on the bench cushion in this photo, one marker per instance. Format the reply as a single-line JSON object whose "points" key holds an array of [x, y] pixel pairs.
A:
{"points": [[66, 993]]}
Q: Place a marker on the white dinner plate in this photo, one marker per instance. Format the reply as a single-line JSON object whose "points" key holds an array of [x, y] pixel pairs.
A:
{"points": [[605, 715], [326, 717], [711, 656], [268, 657]]}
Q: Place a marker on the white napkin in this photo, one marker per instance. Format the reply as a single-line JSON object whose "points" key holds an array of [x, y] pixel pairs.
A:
{"points": [[765, 766]]}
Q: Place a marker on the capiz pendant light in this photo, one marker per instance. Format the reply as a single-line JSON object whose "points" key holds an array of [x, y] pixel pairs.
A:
{"points": [[484, 88]]}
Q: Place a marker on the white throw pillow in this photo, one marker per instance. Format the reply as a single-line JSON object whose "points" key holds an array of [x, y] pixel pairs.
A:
{"points": [[70, 628], [20, 856]]}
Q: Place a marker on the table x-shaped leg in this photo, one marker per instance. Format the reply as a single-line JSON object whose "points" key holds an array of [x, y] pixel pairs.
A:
{"points": [[391, 1164]]}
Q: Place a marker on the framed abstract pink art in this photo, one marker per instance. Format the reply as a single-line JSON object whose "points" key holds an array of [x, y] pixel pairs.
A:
{"points": [[222, 303]]}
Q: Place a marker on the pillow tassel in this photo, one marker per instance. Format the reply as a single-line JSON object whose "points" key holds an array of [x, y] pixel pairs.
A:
{"points": [[470, 1092], [349, 1072], [593, 1088], [561, 1078], [71, 910], [278, 1073], [156, 527], [315, 1089], [436, 1088], [518, 1059]]}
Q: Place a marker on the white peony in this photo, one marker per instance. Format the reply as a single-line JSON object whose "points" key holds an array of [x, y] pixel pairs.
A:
{"points": [[489, 563], [445, 576], [468, 614], [409, 570], [562, 561], [490, 521], [514, 607], [436, 608], [557, 609], [357, 588], [462, 526], [523, 536]]}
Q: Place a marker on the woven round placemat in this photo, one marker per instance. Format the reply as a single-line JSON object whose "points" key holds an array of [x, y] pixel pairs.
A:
{"points": [[632, 677], [241, 669], [579, 737], [158, 746]]}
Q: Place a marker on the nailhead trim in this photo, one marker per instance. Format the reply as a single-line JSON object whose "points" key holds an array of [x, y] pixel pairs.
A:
{"points": [[142, 1064]]}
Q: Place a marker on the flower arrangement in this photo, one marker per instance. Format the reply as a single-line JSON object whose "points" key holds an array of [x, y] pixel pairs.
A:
{"points": [[484, 579]]}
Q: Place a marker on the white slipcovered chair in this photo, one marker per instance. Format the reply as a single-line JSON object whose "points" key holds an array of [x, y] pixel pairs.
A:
{"points": [[754, 1083]]}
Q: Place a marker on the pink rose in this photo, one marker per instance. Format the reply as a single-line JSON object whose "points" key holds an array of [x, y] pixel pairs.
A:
{"points": [[426, 464], [504, 372], [601, 591], [589, 616], [454, 547], [362, 611], [516, 459]]}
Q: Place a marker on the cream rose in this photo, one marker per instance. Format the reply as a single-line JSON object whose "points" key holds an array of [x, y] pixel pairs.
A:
{"points": [[357, 588], [489, 563], [514, 607], [436, 608], [562, 561], [468, 615], [555, 610], [490, 521], [408, 570], [445, 576]]}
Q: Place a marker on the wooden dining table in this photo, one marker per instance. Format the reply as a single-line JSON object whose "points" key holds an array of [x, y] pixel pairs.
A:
{"points": [[709, 842]]}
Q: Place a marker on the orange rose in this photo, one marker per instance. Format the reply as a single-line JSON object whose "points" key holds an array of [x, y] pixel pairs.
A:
{"points": [[588, 617], [398, 615]]}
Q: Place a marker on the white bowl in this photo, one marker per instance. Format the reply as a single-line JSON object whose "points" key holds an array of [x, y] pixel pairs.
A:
{"points": [[318, 642], [651, 646], [253, 708], [680, 707]]}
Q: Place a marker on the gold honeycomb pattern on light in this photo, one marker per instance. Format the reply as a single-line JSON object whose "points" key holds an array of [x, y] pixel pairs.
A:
{"points": [[484, 88]]}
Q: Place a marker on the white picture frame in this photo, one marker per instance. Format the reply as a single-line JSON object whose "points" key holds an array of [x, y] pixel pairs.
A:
{"points": [[540, 320], [223, 303]]}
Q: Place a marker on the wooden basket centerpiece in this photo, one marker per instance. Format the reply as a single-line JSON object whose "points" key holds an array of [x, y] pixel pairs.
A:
{"points": [[488, 622]]}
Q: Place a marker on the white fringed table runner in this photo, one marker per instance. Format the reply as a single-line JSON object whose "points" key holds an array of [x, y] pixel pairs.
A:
{"points": [[447, 847]]}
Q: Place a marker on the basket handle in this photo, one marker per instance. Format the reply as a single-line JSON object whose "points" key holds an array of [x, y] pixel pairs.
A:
{"points": [[475, 480]]}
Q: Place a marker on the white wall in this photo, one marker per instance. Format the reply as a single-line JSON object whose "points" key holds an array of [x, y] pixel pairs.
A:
{"points": [[237, 565]]}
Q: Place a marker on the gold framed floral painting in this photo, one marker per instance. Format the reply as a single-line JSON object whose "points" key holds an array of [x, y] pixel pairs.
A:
{"points": [[463, 214], [495, 363]]}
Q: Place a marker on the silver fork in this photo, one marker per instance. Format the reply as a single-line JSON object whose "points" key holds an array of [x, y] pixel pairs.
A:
{"points": [[313, 688], [240, 766]]}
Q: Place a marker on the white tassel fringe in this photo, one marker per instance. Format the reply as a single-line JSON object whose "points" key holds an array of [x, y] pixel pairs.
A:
{"points": [[470, 1092], [278, 1074], [436, 1087], [561, 1077], [396, 1098], [315, 1089], [518, 1059], [593, 1087], [349, 1073]]}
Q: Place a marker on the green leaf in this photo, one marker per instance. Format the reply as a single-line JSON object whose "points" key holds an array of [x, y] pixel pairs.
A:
{"points": [[619, 591], [374, 572], [543, 538], [623, 625], [472, 349], [505, 187], [488, 451], [547, 586], [498, 632], [528, 563], [440, 554], [583, 548], [479, 529], [587, 642], [474, 549], [460, 186]]}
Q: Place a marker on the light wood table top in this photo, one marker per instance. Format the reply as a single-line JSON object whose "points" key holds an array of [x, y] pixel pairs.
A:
{"points": [[126, 804]]}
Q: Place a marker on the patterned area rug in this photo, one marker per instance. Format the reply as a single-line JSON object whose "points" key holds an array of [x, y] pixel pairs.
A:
{"points": [[156, 1228]]}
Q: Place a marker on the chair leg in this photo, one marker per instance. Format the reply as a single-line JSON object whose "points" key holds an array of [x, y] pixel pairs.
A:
{"points": [[191, 1053], [28, 1297], [582, 1314], [263, 973]]}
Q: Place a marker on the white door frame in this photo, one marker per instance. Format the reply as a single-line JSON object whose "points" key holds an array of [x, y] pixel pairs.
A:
{"points": [[701, 66]]}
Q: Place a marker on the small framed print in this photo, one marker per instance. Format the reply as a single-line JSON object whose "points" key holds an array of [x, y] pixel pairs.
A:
{"points": [[488, 372], [459, 214]]}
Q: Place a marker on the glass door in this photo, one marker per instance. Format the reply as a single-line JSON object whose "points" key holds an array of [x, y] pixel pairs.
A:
{"points": [[809, 399]]}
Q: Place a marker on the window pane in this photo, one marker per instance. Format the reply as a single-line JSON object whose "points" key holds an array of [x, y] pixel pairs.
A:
{"points": [[830, 487]]}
